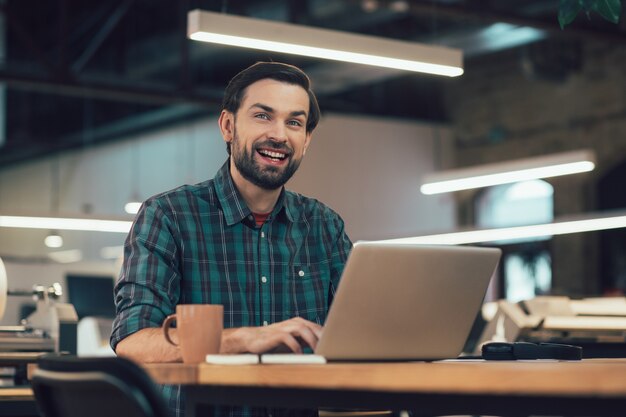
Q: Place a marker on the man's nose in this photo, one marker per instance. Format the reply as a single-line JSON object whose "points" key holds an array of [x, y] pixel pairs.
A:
{"points": [[278, 132]]}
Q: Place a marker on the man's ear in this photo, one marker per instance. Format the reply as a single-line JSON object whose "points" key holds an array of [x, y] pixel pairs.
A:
{"points": [[227, 125], [307, 141]]}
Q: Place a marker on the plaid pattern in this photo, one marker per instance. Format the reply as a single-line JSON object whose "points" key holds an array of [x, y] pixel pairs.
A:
{"points": [[200, 244]]}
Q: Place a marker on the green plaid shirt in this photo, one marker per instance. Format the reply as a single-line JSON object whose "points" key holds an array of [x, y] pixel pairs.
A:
{"points": [[200, 244]]}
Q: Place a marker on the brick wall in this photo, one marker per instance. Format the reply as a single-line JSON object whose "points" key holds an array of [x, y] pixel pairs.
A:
{"points": [[504, 107]]}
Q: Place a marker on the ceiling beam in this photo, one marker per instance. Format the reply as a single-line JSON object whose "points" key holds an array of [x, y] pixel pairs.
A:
{"points": [[119, 129], [113, 92], [104, 32]]}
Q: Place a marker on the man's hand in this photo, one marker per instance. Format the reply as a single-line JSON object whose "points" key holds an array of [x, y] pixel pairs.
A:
{"points": [[290, 335]]}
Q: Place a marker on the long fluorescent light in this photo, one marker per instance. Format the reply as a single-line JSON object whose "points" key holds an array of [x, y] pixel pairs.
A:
{"points": [[586, 224], [509, 171], [323, 43], [61, 223]]}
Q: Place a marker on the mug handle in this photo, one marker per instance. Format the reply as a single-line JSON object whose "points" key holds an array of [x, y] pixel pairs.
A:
{"points": [[167, 325]]}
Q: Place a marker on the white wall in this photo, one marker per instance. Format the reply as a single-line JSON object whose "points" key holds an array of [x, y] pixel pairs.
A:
{"points": [[104, 176], [367, 169], [101, 179]]}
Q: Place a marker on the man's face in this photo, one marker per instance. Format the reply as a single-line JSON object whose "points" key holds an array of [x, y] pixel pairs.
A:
{"points": [[269, 136]]}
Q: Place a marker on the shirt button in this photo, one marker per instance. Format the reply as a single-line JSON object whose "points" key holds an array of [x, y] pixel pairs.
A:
{"points": [[265, 323], [301, 273], [263, 280], [262, 234]]}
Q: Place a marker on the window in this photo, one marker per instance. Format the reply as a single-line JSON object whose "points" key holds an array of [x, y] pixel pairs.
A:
{"points": [[526, 263]]}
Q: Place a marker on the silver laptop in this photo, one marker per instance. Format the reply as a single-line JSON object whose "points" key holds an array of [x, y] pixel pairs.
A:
{"points": [[404, 302]]}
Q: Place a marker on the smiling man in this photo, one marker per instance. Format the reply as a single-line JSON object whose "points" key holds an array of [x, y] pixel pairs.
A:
{"points": [[272, 257], [267, 137]]}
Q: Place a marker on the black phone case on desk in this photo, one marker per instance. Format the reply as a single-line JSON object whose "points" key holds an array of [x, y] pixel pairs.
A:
{"points": [[500, 351]]}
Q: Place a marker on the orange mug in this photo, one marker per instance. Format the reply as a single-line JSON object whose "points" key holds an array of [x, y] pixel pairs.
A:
{"points": [[199, 330]]}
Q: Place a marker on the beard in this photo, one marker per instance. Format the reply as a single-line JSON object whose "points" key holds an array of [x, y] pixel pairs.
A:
{"points": [[266, 177]]}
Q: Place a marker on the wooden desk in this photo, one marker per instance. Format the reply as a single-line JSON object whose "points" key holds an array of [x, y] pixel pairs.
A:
{"points": [[17, 402], [590, 387]]}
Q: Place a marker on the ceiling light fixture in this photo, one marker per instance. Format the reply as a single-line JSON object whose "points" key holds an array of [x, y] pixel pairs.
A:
{"points": [[323, 43], [66, 256], [62, 223], [134, 203], [53, 240], [509, 172], [562, 227], [132, 207]]}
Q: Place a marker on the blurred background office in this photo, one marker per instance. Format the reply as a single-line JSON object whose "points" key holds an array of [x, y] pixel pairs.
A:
{"points": [[103, 103]]}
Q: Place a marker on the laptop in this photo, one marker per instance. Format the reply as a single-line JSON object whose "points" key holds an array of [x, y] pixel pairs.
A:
{"points": [[406, 302]]}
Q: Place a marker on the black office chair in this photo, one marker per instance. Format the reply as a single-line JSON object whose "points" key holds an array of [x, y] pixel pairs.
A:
{"points": [[68, 386]]}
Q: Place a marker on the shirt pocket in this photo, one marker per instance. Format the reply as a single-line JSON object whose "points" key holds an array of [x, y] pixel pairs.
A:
{"points": [[307, 292]]}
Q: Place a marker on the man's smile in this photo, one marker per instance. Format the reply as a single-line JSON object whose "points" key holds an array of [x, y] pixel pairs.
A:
{"points": [[273, 156]]}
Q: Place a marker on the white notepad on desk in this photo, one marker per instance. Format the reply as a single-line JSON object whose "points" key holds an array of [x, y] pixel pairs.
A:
{"points": [[243, 359], [292, 358], [270, 358]]}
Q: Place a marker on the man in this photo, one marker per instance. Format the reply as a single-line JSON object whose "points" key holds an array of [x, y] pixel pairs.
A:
{"points": [[272, 257]]}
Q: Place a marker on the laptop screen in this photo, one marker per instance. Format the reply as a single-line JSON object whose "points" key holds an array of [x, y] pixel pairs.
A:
{"points": [[91, 295]]}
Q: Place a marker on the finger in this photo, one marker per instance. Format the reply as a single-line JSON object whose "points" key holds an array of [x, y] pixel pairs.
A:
{"points": [[310, 324], [307, 335], [274, 341], [314, 327], [307, 331], [291, 343]]}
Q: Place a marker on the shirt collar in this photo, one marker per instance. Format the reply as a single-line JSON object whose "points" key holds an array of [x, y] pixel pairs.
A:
{"points": [[234, 206]]}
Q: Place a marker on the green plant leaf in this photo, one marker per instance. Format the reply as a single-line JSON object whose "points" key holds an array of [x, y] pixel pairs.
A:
{"points": [[568, 10], [608, 9]]}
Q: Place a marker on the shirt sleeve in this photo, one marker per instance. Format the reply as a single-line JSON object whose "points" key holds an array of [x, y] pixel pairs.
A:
{"points": [[148, 287], [339, 254]]}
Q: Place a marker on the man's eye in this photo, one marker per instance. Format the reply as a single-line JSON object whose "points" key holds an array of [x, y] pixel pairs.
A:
{"points": [[263, 116], [295, 123]]}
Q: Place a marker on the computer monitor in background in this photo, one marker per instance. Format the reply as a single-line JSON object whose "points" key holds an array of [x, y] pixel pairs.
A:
{"points": [[91, 295]]}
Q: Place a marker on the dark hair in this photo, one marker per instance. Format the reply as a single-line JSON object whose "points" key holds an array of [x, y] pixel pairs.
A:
{"points": [[290, 74]]}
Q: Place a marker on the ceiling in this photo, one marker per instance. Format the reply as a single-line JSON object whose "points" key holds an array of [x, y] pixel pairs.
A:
{"points": [[78, 72]]}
